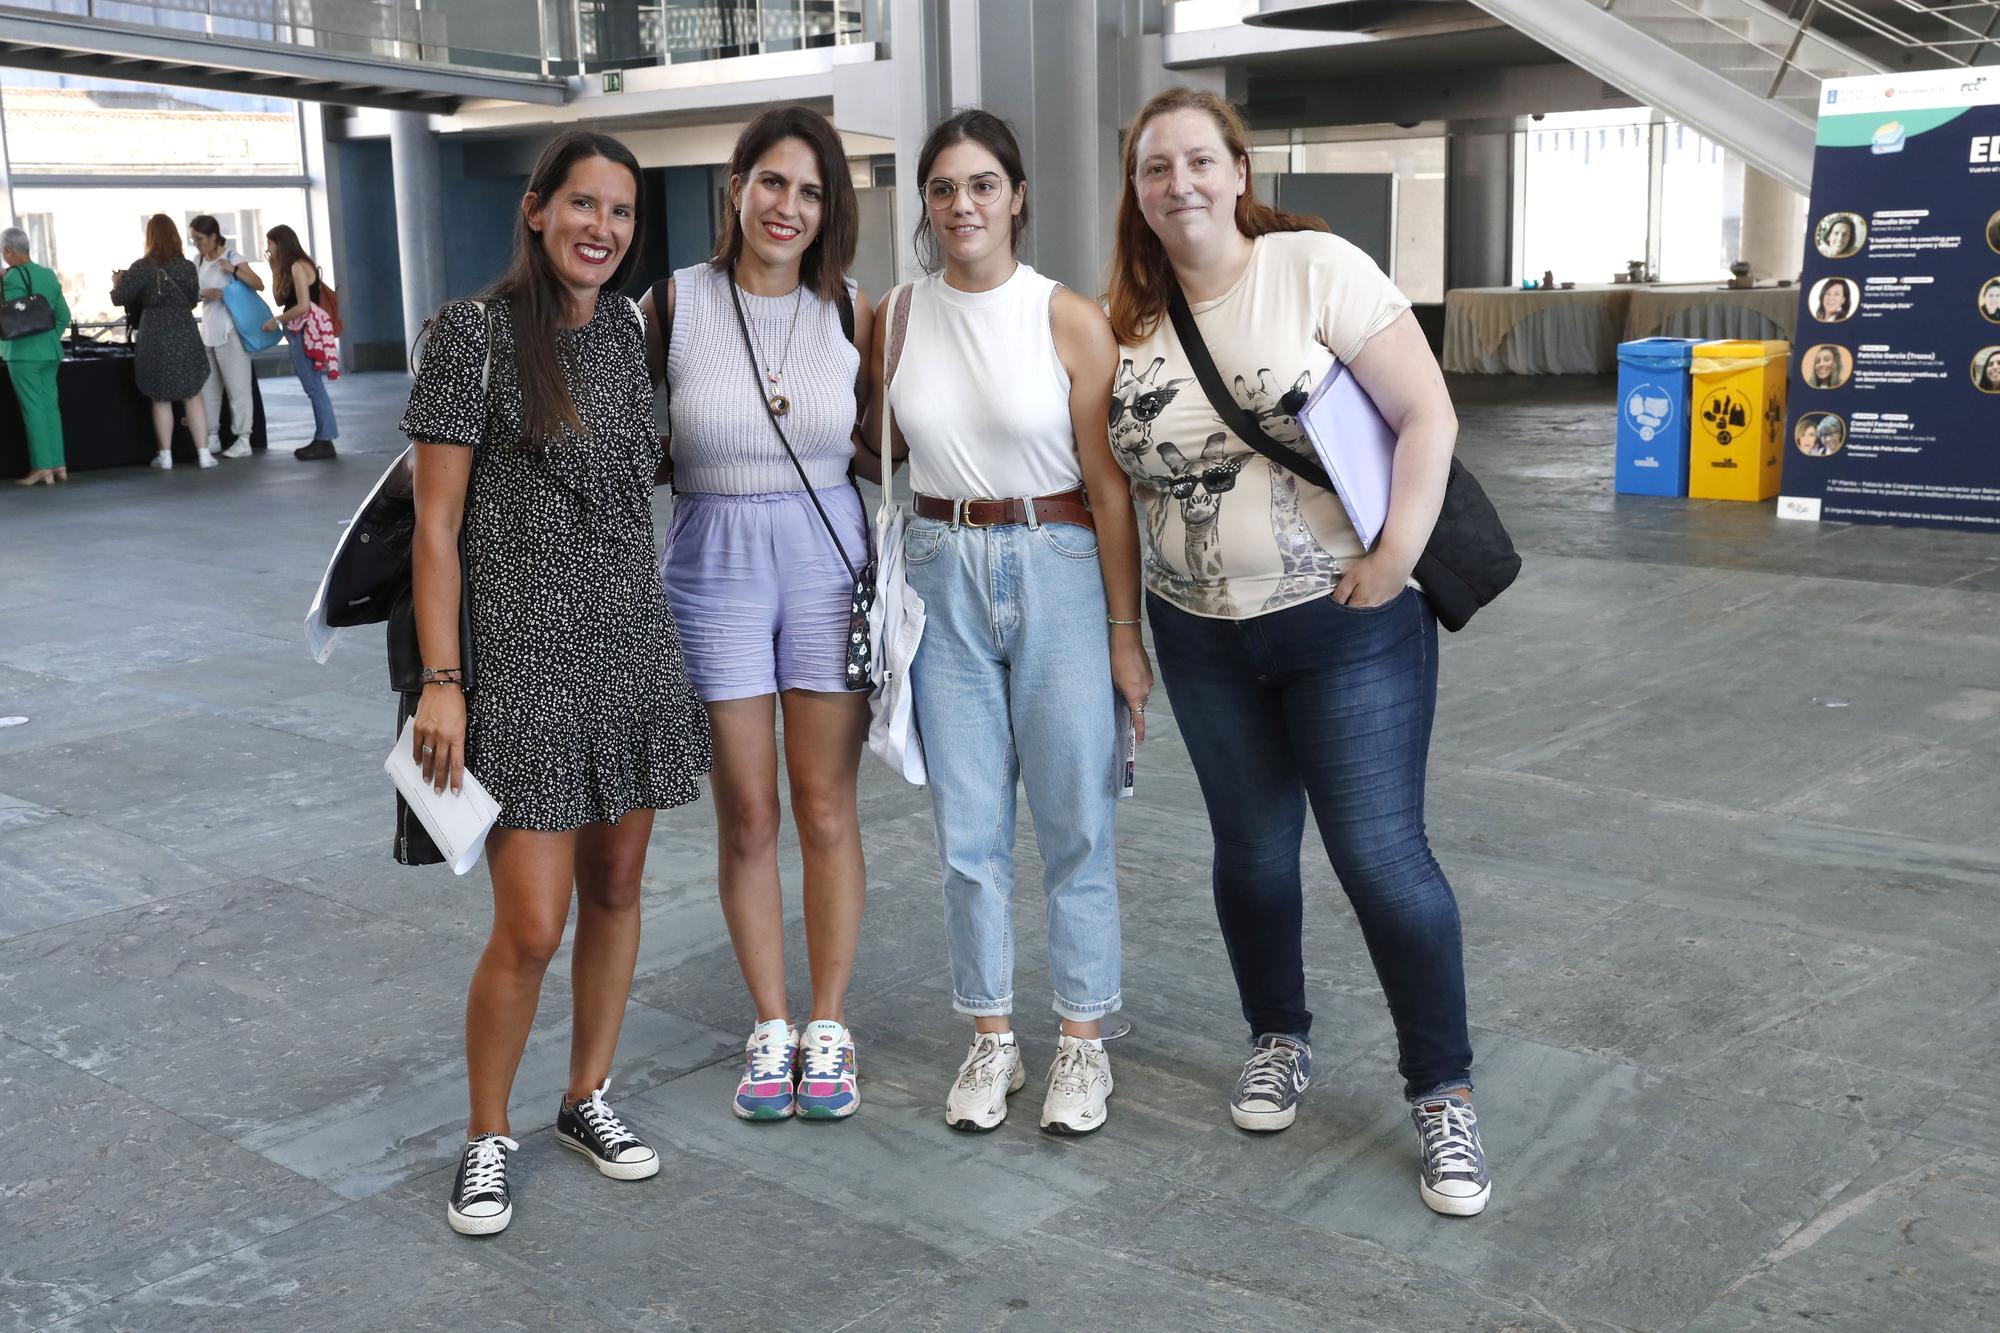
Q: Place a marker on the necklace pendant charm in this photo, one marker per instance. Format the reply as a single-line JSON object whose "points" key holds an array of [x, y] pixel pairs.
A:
{"points": [[780, 404]]}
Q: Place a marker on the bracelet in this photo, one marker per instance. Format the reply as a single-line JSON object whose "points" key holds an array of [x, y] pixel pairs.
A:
{"points": [[442, 676], [1110, 620]]}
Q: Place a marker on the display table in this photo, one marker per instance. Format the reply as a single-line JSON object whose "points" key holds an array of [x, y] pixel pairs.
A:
{"points": [[1713, 313], [1505, 330], [107, 422]]}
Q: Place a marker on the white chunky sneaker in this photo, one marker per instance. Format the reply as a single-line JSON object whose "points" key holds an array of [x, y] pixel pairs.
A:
{"points": [[204, 459], [990, 1074], [164, 462], [1079, 1083]]}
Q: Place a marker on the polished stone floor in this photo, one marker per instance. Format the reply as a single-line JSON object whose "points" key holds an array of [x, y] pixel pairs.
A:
{"points": [[1718, 794]]}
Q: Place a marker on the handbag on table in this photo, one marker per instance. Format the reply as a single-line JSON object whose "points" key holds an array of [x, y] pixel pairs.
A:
{"points": [[1468, 560]]}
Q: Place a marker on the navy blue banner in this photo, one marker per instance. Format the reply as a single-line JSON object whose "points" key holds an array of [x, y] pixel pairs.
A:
{"points": [[1895, 383]]}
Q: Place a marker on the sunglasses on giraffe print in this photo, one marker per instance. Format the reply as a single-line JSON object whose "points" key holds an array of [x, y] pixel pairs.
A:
{"points": [[1215, 481]]}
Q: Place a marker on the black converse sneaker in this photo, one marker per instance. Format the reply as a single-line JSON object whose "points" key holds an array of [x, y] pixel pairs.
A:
{"points": [[1455, 1180], [479, 1204], [1267, 1092], [591, 1128]]}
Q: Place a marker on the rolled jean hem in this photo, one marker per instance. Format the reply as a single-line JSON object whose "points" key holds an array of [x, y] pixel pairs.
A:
{"points": [[1085, 1013], [1449, 1085], [1000, 1008]]}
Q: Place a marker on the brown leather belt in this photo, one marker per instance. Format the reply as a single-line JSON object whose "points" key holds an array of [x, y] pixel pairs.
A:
{"points": [[1070, 506]]}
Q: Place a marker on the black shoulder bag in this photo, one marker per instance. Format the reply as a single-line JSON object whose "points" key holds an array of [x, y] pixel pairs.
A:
{"points": [[25, 316], [1469, 559], [858, 673]]}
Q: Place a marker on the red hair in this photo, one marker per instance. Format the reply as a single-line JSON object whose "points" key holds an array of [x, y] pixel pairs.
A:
{"points": [[1141, 276]]}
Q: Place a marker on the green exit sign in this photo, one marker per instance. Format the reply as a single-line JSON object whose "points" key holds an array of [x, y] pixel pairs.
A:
{"points": [[614, 81]]}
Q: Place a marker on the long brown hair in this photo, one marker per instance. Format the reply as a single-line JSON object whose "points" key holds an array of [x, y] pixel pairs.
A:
{"points": [[823, 267], [163, 240], [970, 125], [289, 252], [535, 295], [1141, 276]]}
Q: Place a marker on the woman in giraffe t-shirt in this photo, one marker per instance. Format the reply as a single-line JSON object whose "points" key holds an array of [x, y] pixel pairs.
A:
{"points": [[1302, 667]]}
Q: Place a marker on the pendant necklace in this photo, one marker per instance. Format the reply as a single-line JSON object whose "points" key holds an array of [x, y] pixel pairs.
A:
{"points": [[774, 376]]}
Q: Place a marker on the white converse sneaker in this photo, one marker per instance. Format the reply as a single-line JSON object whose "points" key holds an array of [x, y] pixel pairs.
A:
{"points": [[205, 459], [1079, 1083], [990, 1074], [163, 461]]}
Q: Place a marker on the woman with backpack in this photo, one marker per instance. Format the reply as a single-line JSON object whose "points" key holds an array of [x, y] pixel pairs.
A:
{"points": [[535, 453], [308, 326], [764, 382]]}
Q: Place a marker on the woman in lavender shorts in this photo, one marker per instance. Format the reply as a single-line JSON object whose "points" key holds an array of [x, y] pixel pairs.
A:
{"points": [[758, 584]]}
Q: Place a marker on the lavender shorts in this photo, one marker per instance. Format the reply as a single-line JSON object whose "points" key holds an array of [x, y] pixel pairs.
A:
{"points": [[759, 592]]}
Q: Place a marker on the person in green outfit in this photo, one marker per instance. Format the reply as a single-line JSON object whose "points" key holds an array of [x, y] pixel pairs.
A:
{"points": [[32, 361]]}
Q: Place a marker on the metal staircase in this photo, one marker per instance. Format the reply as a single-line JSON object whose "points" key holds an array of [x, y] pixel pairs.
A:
{"points": [[1745, 73]]}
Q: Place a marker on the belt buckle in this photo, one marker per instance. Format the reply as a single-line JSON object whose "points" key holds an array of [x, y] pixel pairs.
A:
{"points": [[965, 510]]}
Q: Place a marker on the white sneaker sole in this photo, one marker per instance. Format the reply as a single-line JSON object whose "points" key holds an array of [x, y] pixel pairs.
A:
{"points": [[478, 1226], [645, 1170], [1264, 1122], [1452, 1205], [978, 1125]]}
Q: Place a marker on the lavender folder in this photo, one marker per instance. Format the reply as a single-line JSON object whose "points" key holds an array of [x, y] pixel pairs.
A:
{"points": [[1355, 446]]}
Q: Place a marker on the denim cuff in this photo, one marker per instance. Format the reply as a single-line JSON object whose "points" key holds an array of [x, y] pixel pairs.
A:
{"points": [[999, 1008], [1449, 1085], [1084, 1013]]}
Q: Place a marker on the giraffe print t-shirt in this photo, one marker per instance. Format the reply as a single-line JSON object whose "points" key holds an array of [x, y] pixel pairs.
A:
{"points": [[1228, 533]]}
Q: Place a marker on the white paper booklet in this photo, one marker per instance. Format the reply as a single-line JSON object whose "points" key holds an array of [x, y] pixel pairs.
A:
{"points": [[1355, 446], [458, 821], [1127, 757]]}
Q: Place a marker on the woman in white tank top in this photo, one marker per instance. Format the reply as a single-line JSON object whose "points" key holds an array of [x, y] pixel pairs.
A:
{"points": [[1025, 551]]}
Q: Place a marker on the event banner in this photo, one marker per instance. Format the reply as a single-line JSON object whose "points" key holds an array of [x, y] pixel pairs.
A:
{"points": [[1895, 377]]}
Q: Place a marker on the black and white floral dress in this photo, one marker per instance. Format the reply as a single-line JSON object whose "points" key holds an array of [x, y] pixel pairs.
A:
{"points": [[581, 708]]}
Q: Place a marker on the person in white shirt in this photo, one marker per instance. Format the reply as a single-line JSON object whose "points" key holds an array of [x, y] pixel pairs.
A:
{"points": [[228, 358]]}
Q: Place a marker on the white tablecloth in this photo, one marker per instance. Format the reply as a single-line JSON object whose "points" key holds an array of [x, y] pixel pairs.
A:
{"points": [[1713, 312], [1505, 330]]}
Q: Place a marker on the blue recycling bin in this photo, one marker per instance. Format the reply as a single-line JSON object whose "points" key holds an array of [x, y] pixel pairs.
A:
{"points": [[1655, 388]]}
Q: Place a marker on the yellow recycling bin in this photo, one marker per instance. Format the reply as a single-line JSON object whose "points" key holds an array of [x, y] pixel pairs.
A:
{"points": [[1737, 448]]}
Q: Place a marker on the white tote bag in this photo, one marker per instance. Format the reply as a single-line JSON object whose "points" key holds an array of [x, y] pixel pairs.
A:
{"points": [[896, 621]]}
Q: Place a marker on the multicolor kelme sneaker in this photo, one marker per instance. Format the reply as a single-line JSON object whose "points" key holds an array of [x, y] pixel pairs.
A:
{"points": [[827, 1086], [770, 1058]]}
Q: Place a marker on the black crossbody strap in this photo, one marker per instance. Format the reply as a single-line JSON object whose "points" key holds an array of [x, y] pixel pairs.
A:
{"points": [[750, 349], [1232, 413]]}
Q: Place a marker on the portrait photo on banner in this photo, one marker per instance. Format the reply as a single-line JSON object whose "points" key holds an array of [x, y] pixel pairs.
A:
{"points": [[1989, 301], [1819, 434], [1840, 235], [1986, 370], [1826, 366], [1834, 300]]}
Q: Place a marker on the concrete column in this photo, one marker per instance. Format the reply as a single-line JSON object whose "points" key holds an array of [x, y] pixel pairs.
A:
{"points": [[1774, 227], [413, 157], [1479, 203]]}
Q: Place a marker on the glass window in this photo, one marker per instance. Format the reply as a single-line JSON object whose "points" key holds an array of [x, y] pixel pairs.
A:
{"points": [[63, 126], [92, 231], [1585, 185], [1701, 218]]}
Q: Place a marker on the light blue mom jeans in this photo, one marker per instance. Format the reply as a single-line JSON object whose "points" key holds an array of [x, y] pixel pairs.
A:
{"points": [[1013, 680]]}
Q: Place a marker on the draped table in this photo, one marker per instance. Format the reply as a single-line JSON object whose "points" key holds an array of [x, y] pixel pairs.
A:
{"points": [[1508, 330], [107, 422]]}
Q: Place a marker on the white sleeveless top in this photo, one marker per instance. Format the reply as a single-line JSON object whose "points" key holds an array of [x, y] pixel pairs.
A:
{"points": [[980, 394]]}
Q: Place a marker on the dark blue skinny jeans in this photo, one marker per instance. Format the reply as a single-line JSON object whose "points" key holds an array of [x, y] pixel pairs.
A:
{"points": [[1326, 705]]}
